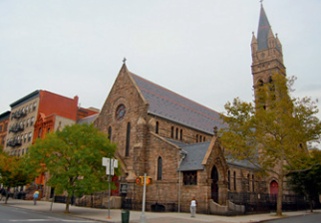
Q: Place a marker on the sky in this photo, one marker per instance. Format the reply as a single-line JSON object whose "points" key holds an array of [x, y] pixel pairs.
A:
{"points": [[198, 49]]}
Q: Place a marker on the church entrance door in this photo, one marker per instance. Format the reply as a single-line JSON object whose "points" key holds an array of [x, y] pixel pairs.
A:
{"points": [[214, 186], [274, 189]]}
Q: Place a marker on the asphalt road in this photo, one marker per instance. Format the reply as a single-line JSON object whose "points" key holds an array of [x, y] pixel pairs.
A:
{"points": [[310, 218], [17, 215]]}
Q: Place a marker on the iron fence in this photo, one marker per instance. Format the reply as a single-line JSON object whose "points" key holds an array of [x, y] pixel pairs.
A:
{"points": [[256, 202]]}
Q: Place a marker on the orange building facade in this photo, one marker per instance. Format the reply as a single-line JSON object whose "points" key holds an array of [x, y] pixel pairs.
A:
{"points": [[4, 120]]}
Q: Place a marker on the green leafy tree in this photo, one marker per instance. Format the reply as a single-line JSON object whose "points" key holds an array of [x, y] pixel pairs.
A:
{"points": [[73, 158], [308, 181], [274, 133], [12, 172]]}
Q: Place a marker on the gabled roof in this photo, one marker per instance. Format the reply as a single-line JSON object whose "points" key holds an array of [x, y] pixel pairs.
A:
{"points": [[171, 106], [194, 156], [195, 153]]}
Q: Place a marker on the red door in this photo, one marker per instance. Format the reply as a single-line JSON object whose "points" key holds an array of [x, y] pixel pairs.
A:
{"points": [[274, 188]]}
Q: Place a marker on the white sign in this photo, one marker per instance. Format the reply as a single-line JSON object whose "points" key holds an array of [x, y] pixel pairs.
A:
{"points": [[110, 167]]}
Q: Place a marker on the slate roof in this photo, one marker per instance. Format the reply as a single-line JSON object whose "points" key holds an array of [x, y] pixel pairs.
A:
{"points": [[88, 120], [241, 163], [263, 30], [171, 106], [195, 154]]}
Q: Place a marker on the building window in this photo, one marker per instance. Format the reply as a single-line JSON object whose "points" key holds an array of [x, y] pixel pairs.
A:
{"points": [[196, 137], [157, 128], [172, 132], [229, 180], [190, 178], [40, 133], [234, 180], [176, 135], [127, 139], [181, 135], [253, 182], [248, 182], [109, 133], [159, 168], [29, 137]]}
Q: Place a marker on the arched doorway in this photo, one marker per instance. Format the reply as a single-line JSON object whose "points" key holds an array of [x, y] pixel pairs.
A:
{"points": [[274, 189], [214, 186]]}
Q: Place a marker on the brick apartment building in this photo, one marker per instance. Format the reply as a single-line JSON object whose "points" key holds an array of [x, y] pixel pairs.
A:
{"points": [[52, 109], [35, 115], [4, 120]]}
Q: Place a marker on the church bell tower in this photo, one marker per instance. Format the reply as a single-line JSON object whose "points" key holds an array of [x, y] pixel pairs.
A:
{"points": [[267, 56]]}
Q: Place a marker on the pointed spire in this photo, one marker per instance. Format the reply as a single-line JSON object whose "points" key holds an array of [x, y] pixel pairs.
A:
{"points": [[263, 31], [278, 43], [254, 40], [253, 44]]}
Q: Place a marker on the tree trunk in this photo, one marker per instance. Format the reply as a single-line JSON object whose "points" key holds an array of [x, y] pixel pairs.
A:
{"points": [[67, 204], [7, 195], [280, 196], [311, 205]]}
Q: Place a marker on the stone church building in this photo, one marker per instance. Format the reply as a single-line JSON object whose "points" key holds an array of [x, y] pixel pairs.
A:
{"points": [[174, 140]]}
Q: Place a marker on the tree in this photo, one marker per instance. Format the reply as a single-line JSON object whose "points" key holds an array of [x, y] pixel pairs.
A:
{"points": [[73, 158], [12, 172], [307, 182], [273, 134]]}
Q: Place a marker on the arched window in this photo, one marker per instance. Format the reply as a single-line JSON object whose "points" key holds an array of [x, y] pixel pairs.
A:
{"points": [[39, 132], [109, 133], [196, 137], [157, 128], [127, 139], [234, 180], [159, 168], [248, 182], [229, 180], [253, 183], [172, 132], [181, 135], [176, 136]]}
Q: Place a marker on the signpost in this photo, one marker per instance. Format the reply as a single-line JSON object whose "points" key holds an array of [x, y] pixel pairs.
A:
{"points": [[142, 217], [110, 165], [143, 181]]}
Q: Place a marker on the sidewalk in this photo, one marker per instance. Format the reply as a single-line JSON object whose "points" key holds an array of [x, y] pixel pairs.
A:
{"points": [[151, 217]]}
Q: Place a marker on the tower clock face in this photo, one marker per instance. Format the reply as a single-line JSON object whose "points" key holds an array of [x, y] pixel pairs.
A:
{"points": [[120, 112]]}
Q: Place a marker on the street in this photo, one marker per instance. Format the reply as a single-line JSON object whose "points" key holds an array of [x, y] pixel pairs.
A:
{"points": [[18, 215], [310, 218]]}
